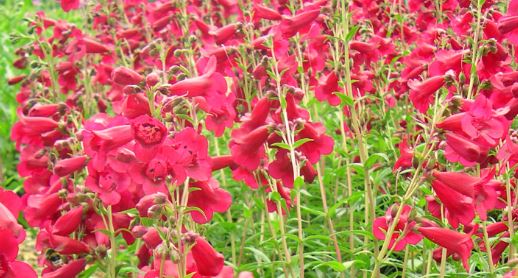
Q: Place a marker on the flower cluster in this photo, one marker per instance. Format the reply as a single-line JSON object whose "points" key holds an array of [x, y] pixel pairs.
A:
{"points": [[127, 125]]}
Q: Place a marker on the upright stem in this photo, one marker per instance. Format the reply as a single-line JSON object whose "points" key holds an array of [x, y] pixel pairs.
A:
{"points": [[370, 201], [289, 138], [113, 244], [510, 222], [488, 249], [330, 223], [442, 269], [474, 51]]}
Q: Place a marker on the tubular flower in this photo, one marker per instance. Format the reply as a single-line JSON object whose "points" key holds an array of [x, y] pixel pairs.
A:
{"points": [[456, 243]]}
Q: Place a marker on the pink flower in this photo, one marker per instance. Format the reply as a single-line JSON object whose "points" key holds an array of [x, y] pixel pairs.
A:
{"points": [[463, 150], [404, 232], [108, 183], [208, 261], [190, 155], [248, 150], [68, 5], [456, 243], [40, 208], [210, 198], [459, 207], [327, 88], [68, 166], [406, 156], [71, 269], [9, 266], [125, 76], [421, 93], [480, 190], [149, 133], [68, 222]]}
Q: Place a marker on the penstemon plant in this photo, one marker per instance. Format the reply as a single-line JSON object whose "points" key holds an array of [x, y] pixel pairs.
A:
{"points": [[223, 138]]}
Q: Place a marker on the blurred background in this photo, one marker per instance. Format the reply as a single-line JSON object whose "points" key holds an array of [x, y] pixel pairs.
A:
{"points": [[13, 26]]}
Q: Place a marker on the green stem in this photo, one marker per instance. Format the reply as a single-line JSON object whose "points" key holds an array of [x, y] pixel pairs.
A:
{"points": [[113, 243]]}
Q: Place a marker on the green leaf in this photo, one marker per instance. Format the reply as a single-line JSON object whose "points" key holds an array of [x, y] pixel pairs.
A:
{"points": [[346, 100], [373, 158], [89, 271], [336, 266], [282, 145], [259, 254], [352, 32], [301, 142]]}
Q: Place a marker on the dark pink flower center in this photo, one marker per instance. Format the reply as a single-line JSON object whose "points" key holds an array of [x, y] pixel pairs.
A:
{"points": [[156, 170], [149, 134], [108, 181]]}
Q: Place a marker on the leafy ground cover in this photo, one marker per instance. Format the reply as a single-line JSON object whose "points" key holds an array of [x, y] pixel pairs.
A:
{"points": [[259, 139]]}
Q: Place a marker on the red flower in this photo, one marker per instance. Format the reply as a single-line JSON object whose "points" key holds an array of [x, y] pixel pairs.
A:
{"points": [[327, 89], [459, 207], [68, 5], [10, 207], [248, 150], [210, 198], [404, 232], [108, 183], [125, 76], [320, 143], [9, 266], [40, 208], [189, 156], [68, 166], [421, 93], [149, 132], [71, 269], [480, 190], [262, 12], [208, 261], [406, 156], [463, 150], [456, 243], [68, 222]]}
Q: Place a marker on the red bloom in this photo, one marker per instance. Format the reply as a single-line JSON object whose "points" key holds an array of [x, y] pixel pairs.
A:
{"points": [[68, 5], [10, 207], [327, 89], [248, 150], [68, 222], [208, 261], [9, 266], [422, 93], [190, 155], [463, 150], [108, 183], [125, 76], [459, 207], [406, 156], [455, 242], [480, 190], [40, 208], [262, 12], [71, 269], [149, 132], [68, 166], [404, 232], [210, 198]]}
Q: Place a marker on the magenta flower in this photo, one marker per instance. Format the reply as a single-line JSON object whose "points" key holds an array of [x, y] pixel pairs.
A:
{"points": [[404, 232], [459, 207], [480, 190], [422, 93], [456, 243], [210, 198], [149, 133]]}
